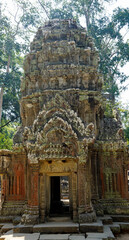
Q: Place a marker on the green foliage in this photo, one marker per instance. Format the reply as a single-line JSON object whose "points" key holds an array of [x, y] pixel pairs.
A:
{"points": [[10, 69], [108, 109], [6, 135], [90, 9], [30, 16], [124, 113], [64, 13], [121, 18], [126, 133]]}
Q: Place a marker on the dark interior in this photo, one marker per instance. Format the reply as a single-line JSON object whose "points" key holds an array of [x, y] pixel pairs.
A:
{"points": [[59, 196]]}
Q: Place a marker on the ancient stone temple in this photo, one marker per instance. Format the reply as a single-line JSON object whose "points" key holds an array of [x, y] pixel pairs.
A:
{"points": [[68, 157]]}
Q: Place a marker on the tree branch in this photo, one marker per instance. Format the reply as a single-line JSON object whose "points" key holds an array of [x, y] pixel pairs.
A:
{"points": [[5, 125], [44, 9]]}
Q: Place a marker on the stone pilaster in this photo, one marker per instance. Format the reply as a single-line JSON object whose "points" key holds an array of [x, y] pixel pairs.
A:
{"points": [[85, 210], [31, 215], [42, 197]]}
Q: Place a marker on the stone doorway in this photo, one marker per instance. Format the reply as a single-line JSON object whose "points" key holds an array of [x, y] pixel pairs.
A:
{"points": [[59, 199], [54, 174]]}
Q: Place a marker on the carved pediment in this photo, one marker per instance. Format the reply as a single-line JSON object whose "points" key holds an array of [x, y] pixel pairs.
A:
{"points": [[56, 132]]}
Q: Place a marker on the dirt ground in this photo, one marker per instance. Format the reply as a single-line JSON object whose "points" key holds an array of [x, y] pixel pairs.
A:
{"points": [[123, 237]]}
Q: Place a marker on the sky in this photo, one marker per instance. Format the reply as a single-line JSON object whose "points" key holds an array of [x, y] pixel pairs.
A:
{"points": [[124, 96]]}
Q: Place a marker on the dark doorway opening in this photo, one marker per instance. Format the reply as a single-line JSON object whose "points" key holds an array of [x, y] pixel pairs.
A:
{"points": [[59, 205]]}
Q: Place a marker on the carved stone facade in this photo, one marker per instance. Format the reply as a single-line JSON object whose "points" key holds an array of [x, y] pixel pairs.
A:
{"points": [[64, 133]]}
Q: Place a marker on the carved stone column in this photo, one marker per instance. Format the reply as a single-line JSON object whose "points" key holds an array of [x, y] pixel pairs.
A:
{"points": [[94, 183], [85, 210], [31, 215], [81, 188], [42, 197], [34, 179], [74, 197]]}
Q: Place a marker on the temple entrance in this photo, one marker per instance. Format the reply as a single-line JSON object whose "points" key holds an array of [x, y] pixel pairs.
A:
{"points": [[59, 200], [58, 190]]}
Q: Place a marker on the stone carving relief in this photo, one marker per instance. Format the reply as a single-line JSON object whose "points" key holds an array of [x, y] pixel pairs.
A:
{"points": [[56, 131]]}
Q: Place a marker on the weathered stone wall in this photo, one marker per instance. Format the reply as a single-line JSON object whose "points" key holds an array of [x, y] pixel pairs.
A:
{"points": [[13, 182]]}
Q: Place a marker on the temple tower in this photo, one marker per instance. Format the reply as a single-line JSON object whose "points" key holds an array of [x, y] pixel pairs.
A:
{"points": [[65, 147], [60, 105]]}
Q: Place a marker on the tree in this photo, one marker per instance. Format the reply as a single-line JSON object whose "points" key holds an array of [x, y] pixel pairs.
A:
{"points": [[10, 72], [6, 135], [113, 51], [15, 33], [124, 113], [91, 10]]}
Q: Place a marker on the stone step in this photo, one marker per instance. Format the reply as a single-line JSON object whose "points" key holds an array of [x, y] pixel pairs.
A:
{"points": [[115, 228], [6, 227], [54, 236], [20, 228], [62, 237], [77, 237], [124, 227], [106, 235], [106, 220], [6, 219], [96, 236], [50, 227], [56, 227], [20, 236], [91, 227], [108, 232], [92, 238], [120, 218]]}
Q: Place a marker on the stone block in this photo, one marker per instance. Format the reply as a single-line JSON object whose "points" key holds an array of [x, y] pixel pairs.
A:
{"points": [[6, 227], [23, 228], [77, 237], [16, 220], [90, 238], [108, 232], [106, 220], [54, 237], [19, 236], [91, 227], [115, 228], [87, 217], [120, 218], [124, 227], [56, 227], [6, 219], [96, 236]]}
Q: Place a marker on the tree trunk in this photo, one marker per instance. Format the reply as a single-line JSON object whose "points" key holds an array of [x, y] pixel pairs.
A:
{"points": [[1, 101], [87, 17], [2, 89], [8, 64]]}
